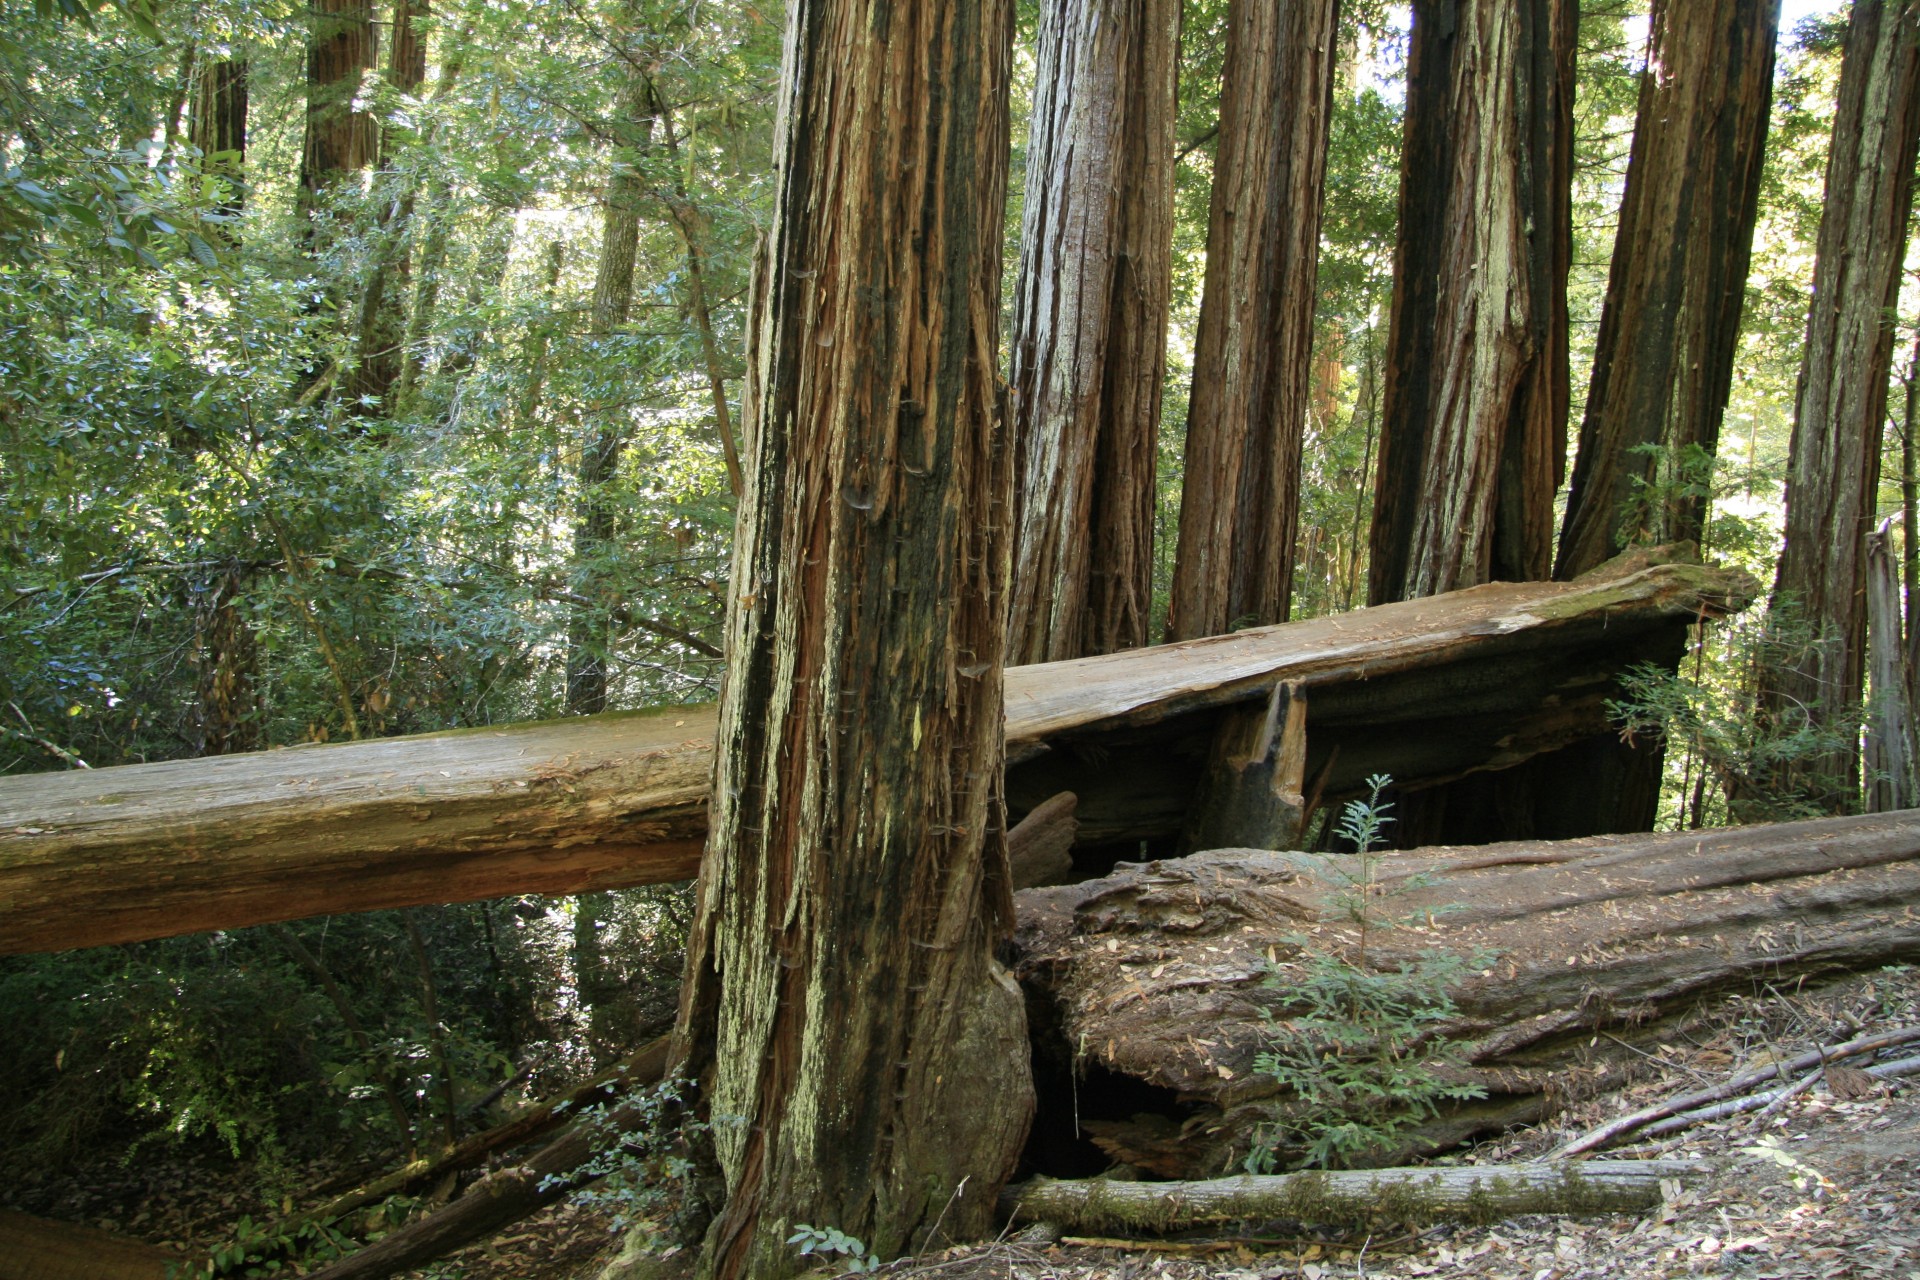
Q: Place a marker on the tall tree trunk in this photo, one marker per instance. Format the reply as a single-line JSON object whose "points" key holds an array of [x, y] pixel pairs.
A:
{"points": [[1834, 463], [217, 127], [1472, 437], [341, 47], [1090, 326], [383, 319], [589, 624], [842, 994], [1664, 364], [1252, 366]]}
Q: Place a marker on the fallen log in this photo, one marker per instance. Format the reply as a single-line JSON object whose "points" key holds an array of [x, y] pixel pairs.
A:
{"points": [[1427, 690], [644, 1067], [1154, 974], [1169, 975], [1416, 1196], [40, 1249]]}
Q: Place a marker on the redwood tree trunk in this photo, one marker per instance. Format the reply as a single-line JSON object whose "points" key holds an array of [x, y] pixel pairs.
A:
{"points": [[842, 995], [589, 626], [217, 126], [1664, 364], [383, 309], [339, 140], [1090, 326], [1473, 430], [1834, 463], [1252, 363]]}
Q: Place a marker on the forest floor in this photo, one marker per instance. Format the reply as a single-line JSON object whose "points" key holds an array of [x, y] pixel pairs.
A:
{"points": [[1826, 1187]]}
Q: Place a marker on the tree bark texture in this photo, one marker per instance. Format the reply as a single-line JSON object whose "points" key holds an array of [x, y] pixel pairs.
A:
{"points": [[341, 47], [1426, 690], [1473, 428], [842, 993], [1239, 508], [589, 627], [1090, 326], [1892, 744], [217, 127], [1430, 1193], [1834, 460], [1664, 364], [383, 306], [1167, 972]]}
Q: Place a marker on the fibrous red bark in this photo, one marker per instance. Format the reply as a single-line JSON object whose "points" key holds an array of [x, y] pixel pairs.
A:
{"points": [[1090, 326], [842, 996], [1834, 459], [1663, 366], [1239, 506], [341, 47], [1473, 427]]}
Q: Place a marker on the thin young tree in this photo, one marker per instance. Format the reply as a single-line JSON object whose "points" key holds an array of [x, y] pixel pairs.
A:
{"points": [[1840, 406], [860, 1051], [1090, 326], [1472, 440], [1663, 366], [1239, 506]]}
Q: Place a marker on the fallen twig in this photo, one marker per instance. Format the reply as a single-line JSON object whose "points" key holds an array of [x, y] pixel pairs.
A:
{"points": [[1733, 1088]]}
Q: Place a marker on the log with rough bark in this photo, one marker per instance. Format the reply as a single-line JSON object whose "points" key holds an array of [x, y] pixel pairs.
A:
{"points": [[1165, 975], [1427, 691], [1431, 1193]]}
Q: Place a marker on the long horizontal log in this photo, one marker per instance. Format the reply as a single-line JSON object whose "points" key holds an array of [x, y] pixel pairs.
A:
{"points": [[1415, 1196], [1171, 973], [148, 851]]}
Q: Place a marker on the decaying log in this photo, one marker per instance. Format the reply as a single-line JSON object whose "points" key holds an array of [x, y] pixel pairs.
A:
{"points": [[1434, 1193], [1167, 973], [1039, 848], [39, 1249], [644, 1067], [1428, 690]]}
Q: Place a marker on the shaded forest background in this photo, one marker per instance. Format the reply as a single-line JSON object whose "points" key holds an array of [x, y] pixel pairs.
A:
{"points": [[369, 373]]}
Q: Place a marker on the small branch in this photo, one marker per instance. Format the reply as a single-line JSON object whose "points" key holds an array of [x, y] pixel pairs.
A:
{"points": [[1614, 1129]]}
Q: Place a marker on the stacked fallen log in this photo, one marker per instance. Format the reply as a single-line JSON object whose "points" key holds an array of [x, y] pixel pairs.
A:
{"points": [[1171, 974], [1427, 690], [1159, 973]]}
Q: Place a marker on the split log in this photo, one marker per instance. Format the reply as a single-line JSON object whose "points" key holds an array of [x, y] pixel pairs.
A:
{"points": [[1168, 974], [1434, 1193], [1427, 690]]}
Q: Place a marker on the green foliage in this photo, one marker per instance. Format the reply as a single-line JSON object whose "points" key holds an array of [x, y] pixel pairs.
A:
{"points": [[1354, 1047], [1735, 760], [832, 1242], [643, 1170]]}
